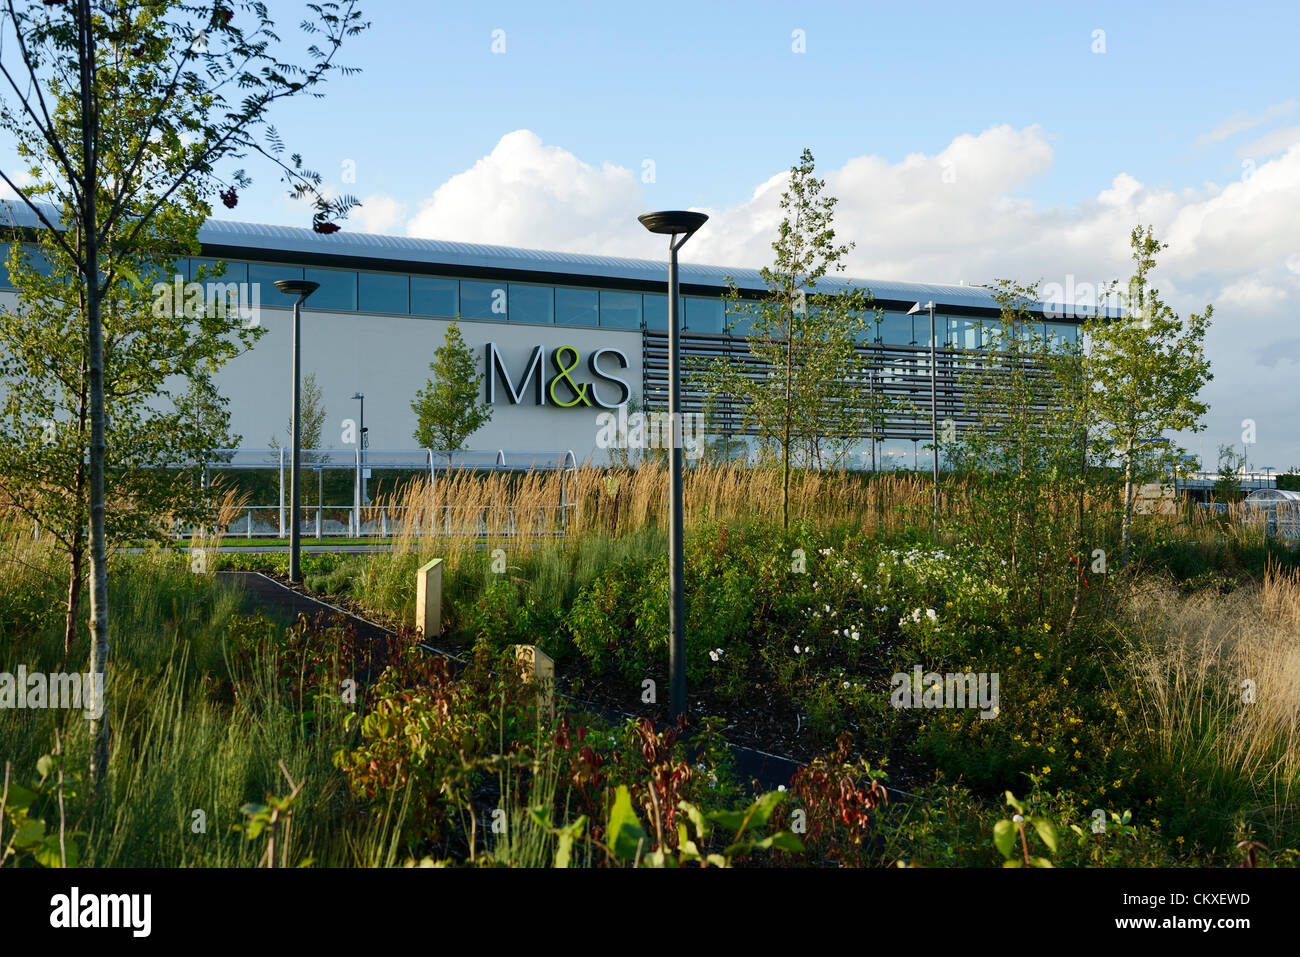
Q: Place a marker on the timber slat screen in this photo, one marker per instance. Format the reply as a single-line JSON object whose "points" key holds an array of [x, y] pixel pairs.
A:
{"points": [[899, 372]]}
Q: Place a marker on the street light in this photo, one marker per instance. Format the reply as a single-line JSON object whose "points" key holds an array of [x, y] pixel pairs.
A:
{"points": [[675, 223], [934, 404], [302, 289], [361, 446]]}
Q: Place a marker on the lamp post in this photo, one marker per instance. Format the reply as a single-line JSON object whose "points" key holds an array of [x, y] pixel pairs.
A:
{"points": [[675, 223], [934, 406], [302, 289], [361, 445]]}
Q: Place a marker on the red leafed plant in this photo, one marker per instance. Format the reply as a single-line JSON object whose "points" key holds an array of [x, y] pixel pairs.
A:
{"points": [[229, 197], [837, 793]]}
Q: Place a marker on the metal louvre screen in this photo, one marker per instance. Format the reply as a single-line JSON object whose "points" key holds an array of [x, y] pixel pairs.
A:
{"points": [[897, 372]]}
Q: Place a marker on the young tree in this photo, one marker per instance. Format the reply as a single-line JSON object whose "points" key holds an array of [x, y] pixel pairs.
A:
{"points": [[1147, 368], [1020, 453], [803, 377], [311, 418], [447, 409], [123, 109], [1227, 483], [150, 354]]}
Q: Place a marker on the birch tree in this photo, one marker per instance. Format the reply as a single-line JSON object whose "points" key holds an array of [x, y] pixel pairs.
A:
{"points": [[1147, 368], [802, 385], [120, 108]]}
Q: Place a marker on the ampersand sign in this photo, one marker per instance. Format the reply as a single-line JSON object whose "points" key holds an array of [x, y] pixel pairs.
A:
{"points": [[558, 360]]}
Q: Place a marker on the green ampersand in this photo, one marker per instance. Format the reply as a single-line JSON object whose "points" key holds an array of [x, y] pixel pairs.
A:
{"points": [[562, 370]]}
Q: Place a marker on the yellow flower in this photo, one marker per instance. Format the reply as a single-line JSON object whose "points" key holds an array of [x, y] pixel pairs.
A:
{"points": [[1047, 769], [1017, 649], [1074, 740], [1038, 656], [1051, 750], [1078, 754]]}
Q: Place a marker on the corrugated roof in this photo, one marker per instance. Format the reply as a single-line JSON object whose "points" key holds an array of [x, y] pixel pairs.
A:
{"points": [[282, 242]]}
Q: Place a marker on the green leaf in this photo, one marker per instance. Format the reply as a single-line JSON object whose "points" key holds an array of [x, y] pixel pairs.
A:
{"points": [[29, 834], [1039, 862], [731, 820], [624, 829], [761, 810], [697, 819], [786, 841], [1046, 830], [1004, 837], [1011, 800], [20, 799], [567, 835], [45, 766], [47, 855]]}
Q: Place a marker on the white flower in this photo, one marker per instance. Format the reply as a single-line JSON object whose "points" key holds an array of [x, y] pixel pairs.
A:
{"points": [[713, 656], [855, 636], [828, 608], [846, 684], [780, 787], [796, 649], [929, 613]]}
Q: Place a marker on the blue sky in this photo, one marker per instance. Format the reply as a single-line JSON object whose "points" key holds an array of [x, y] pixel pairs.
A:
{"points": [[714, 94]]}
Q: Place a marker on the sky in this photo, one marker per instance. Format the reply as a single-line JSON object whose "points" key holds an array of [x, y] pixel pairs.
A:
{"points": [[965, 142]]}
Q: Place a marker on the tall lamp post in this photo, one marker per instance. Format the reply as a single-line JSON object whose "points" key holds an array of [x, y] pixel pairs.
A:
{"points": [[361, 445], [674, 224], [302, 289], [934, 406]]}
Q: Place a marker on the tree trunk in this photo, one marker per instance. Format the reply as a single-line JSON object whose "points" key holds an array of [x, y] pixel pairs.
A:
{"points": [[1128, 500], [75, 562], [99, 727]]}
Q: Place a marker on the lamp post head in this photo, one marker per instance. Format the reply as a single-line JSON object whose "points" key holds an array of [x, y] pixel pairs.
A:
{"points": [[672, 222], [297, 287], [917, 307], [358, 395]]}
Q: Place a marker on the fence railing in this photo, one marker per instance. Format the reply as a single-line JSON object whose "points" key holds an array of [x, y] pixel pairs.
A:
{"points": [[322, 522]]}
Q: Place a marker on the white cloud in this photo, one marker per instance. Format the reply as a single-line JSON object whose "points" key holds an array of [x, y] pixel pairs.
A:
{"points": [[959, 215], [1270, 143], [525, 193], [1241, 121], [379, 213]]}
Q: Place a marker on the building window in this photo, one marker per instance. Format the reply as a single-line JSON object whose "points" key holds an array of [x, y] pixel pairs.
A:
{"points": [[235, 271], [431, 296], [621, 310], [532, 303], [1061, 333], [896, 329], [740, 317], [338, 289], [576, 307], [703, 315], [264, 276], [483, 300], [383, 292]]}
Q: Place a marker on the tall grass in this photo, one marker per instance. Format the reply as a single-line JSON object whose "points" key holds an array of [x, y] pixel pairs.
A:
{"points": [[1218, 694]]}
